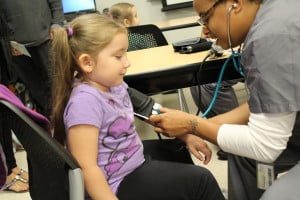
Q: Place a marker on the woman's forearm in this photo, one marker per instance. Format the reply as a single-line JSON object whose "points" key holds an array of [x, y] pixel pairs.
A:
{"points": [[208, 128], [239, 115]]}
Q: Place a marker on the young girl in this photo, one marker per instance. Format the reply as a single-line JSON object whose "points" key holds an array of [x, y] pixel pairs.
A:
{"points": [[126, 14], [91, 102]]}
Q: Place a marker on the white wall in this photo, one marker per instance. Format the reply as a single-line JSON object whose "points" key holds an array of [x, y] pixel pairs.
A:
{"points": [[149, 11]]}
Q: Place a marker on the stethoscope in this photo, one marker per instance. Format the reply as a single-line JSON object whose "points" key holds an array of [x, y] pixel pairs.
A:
{"points": [[217, 51]]}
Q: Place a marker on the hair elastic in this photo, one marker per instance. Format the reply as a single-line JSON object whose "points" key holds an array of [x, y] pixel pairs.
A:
{"points": [[69, 31]]}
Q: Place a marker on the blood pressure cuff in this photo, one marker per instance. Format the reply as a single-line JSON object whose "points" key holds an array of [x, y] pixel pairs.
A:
{"points": [[192, 45], [142, 104]]}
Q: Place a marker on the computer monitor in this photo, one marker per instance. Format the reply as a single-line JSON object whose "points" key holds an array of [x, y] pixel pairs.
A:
{"points": [[175, 4], [78, 6]]}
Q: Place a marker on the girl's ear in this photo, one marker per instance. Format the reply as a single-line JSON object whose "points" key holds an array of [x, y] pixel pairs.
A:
{"points": [[86, 62], [126, 22]]}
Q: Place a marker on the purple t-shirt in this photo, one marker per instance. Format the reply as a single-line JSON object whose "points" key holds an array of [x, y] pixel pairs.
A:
{"points": [[120, 150]]}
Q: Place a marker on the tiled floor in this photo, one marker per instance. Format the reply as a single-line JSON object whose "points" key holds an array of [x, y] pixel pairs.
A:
{"points": [[217, 167]]}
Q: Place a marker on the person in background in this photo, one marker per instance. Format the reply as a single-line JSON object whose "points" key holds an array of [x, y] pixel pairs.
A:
{"points": [[16, 178], [3, 170], [126, 14], [33, 23], [105, 12], [91, 103], [267, 125]]}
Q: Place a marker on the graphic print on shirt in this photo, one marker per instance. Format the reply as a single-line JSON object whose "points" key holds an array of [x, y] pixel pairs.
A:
{"points": [[124, 149]]}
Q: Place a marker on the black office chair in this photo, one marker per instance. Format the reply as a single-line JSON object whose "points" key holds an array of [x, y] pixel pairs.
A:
{"points": [[149, 36], [53, 173], [145, 36]]}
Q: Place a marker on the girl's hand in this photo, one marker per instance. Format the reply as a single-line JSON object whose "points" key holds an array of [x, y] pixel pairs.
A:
{"points": [[197, 147]]}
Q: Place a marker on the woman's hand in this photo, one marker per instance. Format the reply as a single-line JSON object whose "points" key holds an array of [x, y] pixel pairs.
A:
{"points": [[197, 147], [173, 123]]}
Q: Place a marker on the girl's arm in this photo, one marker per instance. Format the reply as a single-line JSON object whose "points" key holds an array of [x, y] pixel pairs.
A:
{"points": [[83, 145]]}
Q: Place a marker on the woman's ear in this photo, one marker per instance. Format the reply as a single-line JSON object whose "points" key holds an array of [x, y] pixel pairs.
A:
{"points": [[86, 62], [237, 5]]}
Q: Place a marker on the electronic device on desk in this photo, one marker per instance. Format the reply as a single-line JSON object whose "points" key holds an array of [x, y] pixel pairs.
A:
{"points": [[192, 45], [75, 8]]}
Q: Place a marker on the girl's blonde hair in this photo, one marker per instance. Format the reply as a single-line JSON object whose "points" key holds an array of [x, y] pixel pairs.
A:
{"points": [[121, 11], [88, 34]]}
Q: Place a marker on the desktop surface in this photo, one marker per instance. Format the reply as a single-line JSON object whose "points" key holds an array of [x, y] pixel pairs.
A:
{"points": [[179, 23], [160, 69]]}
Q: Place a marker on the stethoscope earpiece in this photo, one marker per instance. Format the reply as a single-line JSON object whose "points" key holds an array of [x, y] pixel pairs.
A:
{"points": [[234, 5]]}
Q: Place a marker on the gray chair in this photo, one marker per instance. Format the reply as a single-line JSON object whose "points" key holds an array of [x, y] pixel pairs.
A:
{"points": [[53, 172]]}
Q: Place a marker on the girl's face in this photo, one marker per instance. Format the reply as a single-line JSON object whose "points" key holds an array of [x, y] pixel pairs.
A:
{"points": [[135, 21], [111, 63]]}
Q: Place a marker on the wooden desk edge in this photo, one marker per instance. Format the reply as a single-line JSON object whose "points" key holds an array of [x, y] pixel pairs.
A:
{"points": [[175, 27], [179, 23]]}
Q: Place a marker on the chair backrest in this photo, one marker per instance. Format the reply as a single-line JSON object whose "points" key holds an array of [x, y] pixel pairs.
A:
{"points": [[145, 36], [53, 173]]}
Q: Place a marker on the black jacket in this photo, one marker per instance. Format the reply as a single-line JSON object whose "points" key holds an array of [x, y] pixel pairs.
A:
{"points": [[6, 74], [31, 20]]}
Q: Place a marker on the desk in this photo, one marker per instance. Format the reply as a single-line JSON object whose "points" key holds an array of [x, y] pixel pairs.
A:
{"points": [[179, 23], [160, 69]]}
